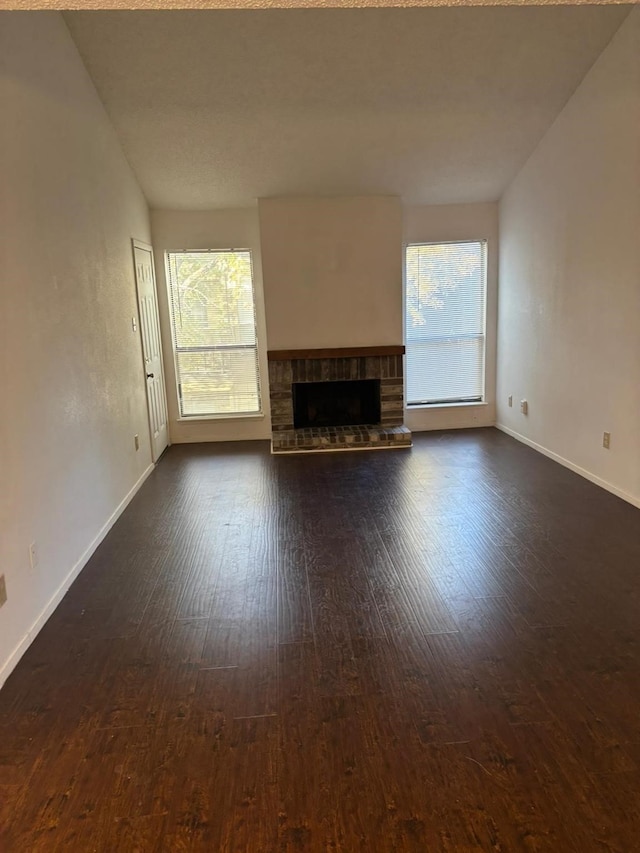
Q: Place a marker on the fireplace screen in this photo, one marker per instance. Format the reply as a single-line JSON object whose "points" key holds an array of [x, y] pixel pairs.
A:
{"points": [[326, 404]]}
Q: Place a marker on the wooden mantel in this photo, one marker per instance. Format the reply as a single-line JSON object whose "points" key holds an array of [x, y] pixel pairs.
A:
{"points": [[339, 352]]}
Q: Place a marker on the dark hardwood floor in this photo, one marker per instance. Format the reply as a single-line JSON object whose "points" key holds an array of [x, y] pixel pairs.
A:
{"points": [[426, 650]]}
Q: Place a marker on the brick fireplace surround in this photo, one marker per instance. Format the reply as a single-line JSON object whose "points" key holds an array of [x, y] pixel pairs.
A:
{"points": [[287, 367]]}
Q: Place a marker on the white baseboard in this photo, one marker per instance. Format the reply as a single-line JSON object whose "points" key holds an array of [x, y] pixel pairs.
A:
{"points": [[593, 478], [9, 665]]}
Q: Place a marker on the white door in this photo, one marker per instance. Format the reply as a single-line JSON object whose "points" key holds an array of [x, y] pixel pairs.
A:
{"points": [[151, 347]]}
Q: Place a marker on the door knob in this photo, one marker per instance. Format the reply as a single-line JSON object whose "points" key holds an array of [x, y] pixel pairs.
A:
{"points": [[149, 375]]}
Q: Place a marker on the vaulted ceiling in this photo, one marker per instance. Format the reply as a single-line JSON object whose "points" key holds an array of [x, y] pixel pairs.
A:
{"points": [[438, 105]]}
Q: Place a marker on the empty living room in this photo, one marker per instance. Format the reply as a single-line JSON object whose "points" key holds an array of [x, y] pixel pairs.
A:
{"points": [[320, 360]]}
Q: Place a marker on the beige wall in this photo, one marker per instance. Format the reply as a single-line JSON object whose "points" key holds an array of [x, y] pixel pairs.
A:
{"points": [[71, 379], [569, 313], [176, 230], [431, 224], [332, 271]]}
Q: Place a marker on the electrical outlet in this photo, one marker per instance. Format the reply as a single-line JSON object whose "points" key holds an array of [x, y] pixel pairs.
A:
{"points": [[510, 400], [606, 440], [134, 324], [524, 407], [3, 591], [33, 555], [136, 441]]}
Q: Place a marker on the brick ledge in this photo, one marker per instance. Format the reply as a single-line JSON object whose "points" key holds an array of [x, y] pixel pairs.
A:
{"points": [[369, 436], [339, 352]]}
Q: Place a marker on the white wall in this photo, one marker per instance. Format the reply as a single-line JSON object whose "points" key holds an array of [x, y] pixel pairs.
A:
{"points": [[569, 312], [71, 380], [332, 271], [177, 230], [307, 240], [431, 224]]}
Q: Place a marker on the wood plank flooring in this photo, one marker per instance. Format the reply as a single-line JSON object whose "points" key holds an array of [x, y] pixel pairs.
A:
{"points": [[427, 650]]}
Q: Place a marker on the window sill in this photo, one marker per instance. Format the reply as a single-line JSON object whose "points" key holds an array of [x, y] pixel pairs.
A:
{"points": [[423, 406], [257, 416]]}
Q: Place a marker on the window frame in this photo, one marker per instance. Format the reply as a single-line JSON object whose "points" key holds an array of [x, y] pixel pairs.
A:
{"points": [[451, 403], [224, 416]]}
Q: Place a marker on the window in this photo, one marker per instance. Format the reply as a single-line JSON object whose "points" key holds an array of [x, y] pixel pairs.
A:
{"points": [[213, 322], [445, 322]]}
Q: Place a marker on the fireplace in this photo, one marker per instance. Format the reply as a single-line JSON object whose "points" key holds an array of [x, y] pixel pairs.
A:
{"points": [[330, 404], [337, 399]]}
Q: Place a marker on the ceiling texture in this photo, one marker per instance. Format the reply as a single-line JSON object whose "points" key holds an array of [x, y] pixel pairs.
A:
{"points": [[216, 108]]}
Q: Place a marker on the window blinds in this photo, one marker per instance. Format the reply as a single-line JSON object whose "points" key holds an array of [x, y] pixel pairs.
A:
{"points": [[445, 322], [214, 332]]}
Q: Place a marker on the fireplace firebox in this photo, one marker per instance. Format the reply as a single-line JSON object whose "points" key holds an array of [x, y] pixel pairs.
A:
{"points": [[332, 404]]}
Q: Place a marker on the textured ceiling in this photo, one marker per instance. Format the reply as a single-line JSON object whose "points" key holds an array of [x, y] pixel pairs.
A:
{"points": [[216, 108], [275, 4]]}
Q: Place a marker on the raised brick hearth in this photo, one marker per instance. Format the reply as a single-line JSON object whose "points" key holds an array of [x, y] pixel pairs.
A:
{"points": [[287, 368]]}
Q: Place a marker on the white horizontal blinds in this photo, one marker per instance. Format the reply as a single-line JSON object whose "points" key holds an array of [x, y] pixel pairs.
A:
{"points": [[214, 332], [445, 311]]}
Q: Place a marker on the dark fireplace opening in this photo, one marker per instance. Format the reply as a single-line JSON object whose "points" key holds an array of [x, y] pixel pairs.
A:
{"points": [[326, 404]]}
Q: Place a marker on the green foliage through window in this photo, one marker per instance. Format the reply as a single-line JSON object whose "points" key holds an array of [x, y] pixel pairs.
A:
{"points": [[445, 322], [214, 332]]}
